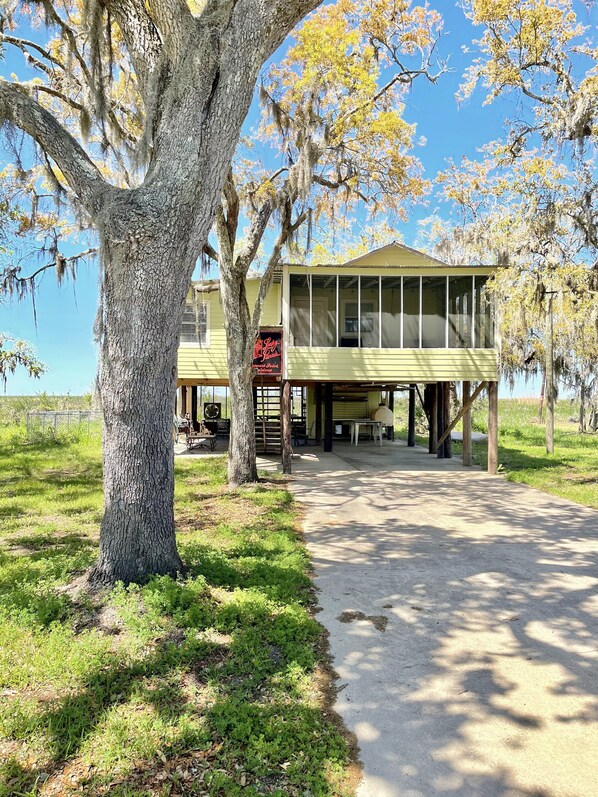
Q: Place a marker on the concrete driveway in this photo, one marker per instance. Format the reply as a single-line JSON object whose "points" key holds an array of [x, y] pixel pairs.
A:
{"points": [[462, 612]]}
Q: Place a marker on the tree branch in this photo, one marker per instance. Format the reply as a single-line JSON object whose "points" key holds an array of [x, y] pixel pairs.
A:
{"points": [[210, 252], [32, 86], [71, 38], [141, 36], [11, 280], [286, 231], [25, 45], [82, 175], [175, 22], [225, 258], [260, 222], [231, 197]]}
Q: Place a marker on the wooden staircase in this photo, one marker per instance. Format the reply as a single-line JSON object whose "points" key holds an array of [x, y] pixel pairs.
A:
{"points": [[267, 419]]}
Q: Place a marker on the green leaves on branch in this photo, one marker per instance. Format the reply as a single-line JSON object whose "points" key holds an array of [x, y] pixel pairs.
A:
{"points": [[17, 353]]}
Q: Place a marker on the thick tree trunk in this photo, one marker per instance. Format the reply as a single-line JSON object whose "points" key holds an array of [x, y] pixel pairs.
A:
{"points": [[242, 467], [140, 321]]}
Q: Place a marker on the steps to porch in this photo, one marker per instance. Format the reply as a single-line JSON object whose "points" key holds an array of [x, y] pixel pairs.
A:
{"points": [[266, 402]]}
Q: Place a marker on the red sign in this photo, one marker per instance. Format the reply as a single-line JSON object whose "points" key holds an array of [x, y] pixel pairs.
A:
{"points": [[267, 352]]}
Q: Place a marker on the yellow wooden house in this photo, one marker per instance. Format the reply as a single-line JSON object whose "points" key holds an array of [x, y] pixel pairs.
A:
{"points": [[352, 335]]}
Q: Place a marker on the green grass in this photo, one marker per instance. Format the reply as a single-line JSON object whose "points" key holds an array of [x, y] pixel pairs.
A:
{"points": [[213, 684], [571, 472]]}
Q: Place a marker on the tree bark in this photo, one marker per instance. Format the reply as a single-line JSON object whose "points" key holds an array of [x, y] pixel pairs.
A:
{"points": [[242, 467], [151, 238], [139, 343], [285, 427]]}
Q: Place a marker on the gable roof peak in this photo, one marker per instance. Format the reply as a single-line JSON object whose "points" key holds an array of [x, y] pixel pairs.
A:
{"points": [[395, 248]]}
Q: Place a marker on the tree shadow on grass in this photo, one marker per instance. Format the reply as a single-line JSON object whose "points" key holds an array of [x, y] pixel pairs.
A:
{"points": [[248, 717], [237, 694]]}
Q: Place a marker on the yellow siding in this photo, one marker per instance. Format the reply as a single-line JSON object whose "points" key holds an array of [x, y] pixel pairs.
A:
{"points": [[209, 363], [395, 255], [397, 365]]}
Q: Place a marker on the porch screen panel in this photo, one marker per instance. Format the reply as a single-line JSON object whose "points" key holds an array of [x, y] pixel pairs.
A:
{"points": [[323, 301], [348, 311], [391, 312], [460, 312], [434, 312], [299, 309], [484, 321], [411, 312], [370, 317]]}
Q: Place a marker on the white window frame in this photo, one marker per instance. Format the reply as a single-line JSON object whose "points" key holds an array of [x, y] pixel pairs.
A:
{"points": [[198, 342], [344, 331]]}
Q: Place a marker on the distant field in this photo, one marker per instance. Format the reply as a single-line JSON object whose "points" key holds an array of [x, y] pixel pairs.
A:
{"points": [[14, 409], [571, 472]]}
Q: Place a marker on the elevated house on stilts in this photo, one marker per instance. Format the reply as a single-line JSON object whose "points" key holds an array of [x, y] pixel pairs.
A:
{"points": [[337, 340]]}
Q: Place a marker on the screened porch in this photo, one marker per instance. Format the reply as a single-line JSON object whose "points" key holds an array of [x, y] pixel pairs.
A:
{"points": [[390, 312]]}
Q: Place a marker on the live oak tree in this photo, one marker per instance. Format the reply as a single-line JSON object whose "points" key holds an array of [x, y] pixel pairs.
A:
{"points": [[530, 201], [333, 135], [193, 68], [539, 52], [515, 214]]}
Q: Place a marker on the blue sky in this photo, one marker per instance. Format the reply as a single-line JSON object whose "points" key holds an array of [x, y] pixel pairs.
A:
{"points": [[65, 315]]}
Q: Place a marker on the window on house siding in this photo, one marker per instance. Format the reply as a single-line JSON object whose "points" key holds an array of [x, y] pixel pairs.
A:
{"points": [[194, 327]]}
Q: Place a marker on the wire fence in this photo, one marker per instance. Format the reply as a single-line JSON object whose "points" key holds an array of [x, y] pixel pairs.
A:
{"points": [[60, 421]]}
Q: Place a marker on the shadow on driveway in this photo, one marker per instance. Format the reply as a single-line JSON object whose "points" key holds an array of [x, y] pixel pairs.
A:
{"points": [[483, 679]]}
